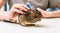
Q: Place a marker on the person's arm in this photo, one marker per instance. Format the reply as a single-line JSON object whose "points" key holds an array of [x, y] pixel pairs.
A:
{"points": [[2, 15], [13, 12], [49, 14]]}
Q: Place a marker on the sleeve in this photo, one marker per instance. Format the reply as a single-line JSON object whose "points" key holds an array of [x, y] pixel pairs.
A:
{"points": [[35, 3], [39, 3], [11, 2], [53, 3]]}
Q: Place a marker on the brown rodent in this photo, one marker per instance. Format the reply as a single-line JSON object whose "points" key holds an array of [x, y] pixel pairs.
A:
{"points": [[29, 17]]}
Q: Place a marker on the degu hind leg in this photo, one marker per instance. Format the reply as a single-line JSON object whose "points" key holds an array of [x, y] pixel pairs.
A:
{"points": [[25, 23]]}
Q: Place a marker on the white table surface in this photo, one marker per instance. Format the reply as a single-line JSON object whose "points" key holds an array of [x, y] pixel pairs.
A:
{"points": [[47, 26]]}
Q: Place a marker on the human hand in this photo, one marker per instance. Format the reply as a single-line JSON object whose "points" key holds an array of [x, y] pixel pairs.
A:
{"points": [[44, 13], [16, 9]]}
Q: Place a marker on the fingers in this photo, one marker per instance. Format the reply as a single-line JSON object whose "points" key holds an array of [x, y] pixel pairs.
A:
{"points": [[38, 9], [18, 11], [20, 7], [41, 10]]}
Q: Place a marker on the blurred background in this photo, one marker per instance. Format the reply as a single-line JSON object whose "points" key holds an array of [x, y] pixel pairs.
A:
{"points": [[5, 7]]}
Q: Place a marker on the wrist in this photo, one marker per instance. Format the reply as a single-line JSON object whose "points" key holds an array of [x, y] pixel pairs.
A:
{"points": [[3, 15], [9, 15]]}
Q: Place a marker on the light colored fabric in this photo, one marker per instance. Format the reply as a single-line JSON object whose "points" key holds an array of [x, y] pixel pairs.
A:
{"points": [[52, 9], [36, 3], [6, 1], [53, 3]]}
